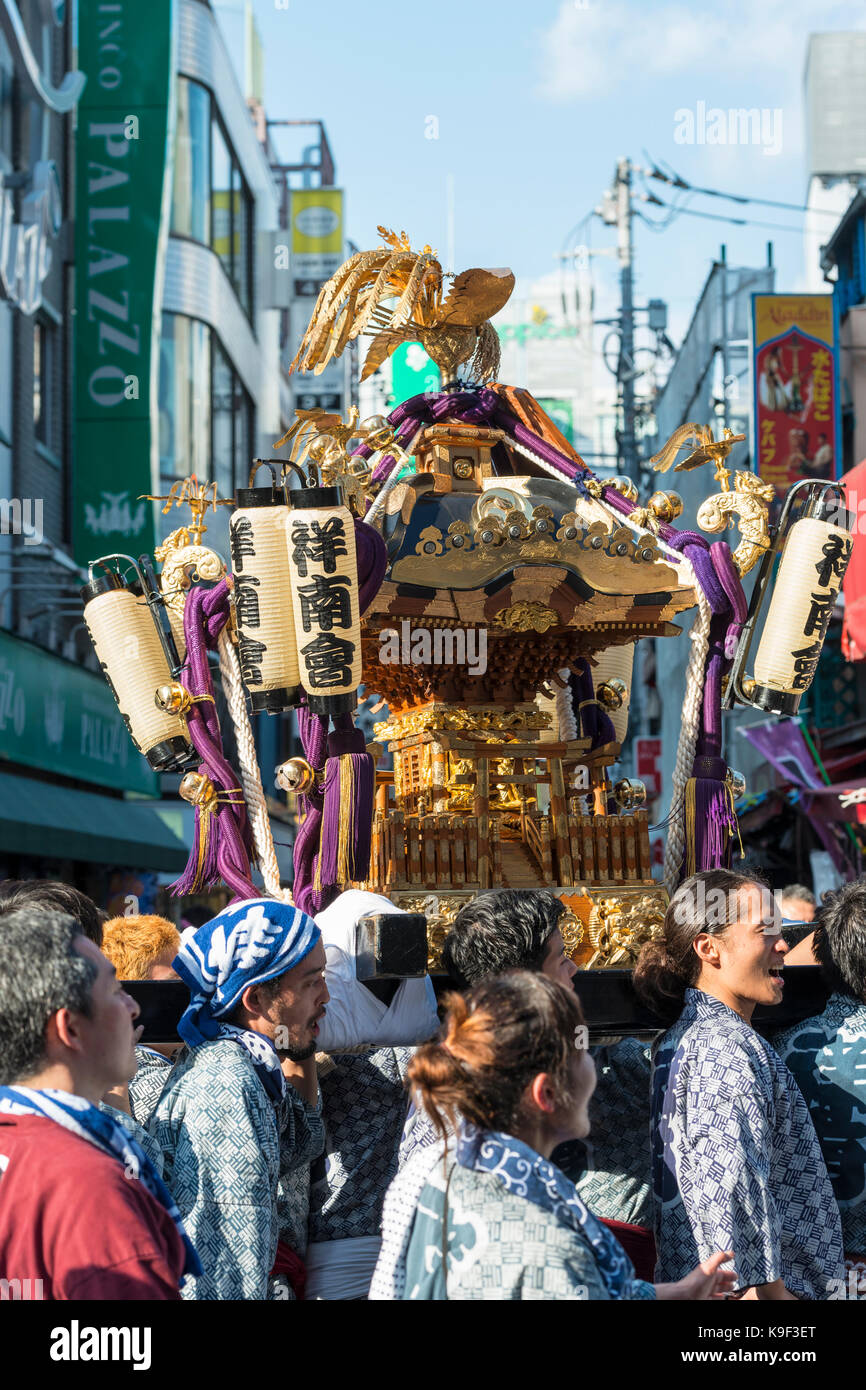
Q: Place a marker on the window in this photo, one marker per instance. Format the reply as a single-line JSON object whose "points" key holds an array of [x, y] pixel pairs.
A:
{"points": [[211, 202], [184, 399], [191, 205], [6, 76], [232, 426], [232, 217], [44, 359], [206, 423]]}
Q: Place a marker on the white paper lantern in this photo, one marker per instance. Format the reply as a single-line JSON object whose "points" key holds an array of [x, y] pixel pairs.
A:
{"points": [[320, 536], [616, 663], [814, 559], [267, 650], [131, 654]]}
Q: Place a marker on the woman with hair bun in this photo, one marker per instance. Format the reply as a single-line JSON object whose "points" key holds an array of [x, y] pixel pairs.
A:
{"points": [[736, 1160], [484, 1214]]}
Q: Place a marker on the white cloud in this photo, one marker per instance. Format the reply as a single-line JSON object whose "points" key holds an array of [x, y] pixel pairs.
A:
{"points": [[598, 47]]}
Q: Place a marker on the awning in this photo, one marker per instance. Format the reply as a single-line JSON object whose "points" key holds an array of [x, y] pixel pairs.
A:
{"points": [[52, 822]]}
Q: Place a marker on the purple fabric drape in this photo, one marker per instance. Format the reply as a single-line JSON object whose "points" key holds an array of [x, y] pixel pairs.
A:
{"points": [[319, 825], [222, 844], [593, 722], [480, 407]]}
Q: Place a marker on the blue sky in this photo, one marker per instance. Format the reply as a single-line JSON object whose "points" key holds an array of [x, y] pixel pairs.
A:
{"points": [[534, 104]]}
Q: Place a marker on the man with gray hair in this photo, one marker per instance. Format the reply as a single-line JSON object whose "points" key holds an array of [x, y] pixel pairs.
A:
{"points": [[83, 1212]]}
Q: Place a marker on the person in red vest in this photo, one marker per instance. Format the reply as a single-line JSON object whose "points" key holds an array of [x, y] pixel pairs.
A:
{"points": [[83, 1212]]}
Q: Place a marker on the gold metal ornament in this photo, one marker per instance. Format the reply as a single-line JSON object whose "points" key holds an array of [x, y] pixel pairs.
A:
{"points": [[707, 449], [173, 698], [737, 783], [198, 789], [395, 295], [376, 431], [612, 694], [626, 487], [295, 776], [320, 446], [526, 616], [749, 502], [629, 794], [666, 506]]}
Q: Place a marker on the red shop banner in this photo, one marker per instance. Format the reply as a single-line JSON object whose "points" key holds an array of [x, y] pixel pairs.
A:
{"points": [[795, 367]]}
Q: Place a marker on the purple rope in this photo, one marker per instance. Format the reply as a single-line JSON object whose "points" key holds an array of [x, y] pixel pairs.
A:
{"points": [[230, 842], [313, 730], [472, 408], [593, 722]]}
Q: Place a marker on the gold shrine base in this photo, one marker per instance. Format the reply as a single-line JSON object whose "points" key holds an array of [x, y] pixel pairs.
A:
{"points": [[483, 797], [602, 927]]}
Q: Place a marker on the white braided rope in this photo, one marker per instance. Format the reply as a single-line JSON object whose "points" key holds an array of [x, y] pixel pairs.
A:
{"points": [[699, 638], [379, 501], [550, 468], [251, 780], [565, 709]]}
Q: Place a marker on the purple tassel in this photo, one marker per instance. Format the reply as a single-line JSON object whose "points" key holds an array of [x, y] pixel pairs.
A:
{"points": [[347, 816], [710, 838]]}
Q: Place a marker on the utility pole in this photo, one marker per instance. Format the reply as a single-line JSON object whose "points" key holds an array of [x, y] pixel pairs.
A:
{"points": [[626, 373]]}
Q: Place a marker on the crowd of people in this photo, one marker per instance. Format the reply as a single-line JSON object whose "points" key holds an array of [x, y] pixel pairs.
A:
{"points": [[313, 1135]]}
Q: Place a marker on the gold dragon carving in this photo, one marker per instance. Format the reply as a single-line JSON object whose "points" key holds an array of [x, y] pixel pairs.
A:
{"points": [[748, 501]]}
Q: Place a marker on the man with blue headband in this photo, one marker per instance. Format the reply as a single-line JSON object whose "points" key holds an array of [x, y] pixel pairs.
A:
{"points": [[228, 1124]]}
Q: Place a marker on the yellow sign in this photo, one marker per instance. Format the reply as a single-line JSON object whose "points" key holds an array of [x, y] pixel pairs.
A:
{"points": [[776, 313], [317, 221]]}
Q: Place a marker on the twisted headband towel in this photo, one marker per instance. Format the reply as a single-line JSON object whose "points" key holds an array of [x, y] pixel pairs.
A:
{"points": [[244, 945]]}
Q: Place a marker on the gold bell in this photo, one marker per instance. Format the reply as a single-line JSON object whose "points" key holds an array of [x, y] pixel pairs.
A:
{"points": [[737, 783], [626, 487], [629, 794], [612, 694], [295, 776], [197, 788], [172, 699], [666, 506], [320, 446], [376, 431]]}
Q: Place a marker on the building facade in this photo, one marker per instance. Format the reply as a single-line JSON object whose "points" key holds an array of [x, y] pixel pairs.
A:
{"points": [[139, 343]]}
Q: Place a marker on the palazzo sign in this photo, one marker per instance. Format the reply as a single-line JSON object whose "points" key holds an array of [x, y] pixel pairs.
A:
{"points": [[122, 157]]}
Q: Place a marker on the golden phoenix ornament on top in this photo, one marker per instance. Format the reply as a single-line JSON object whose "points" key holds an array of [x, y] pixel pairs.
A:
{"points": [[452, 328]]}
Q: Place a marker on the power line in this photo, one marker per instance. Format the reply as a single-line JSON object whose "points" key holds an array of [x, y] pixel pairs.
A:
{"points": [[717, 217], [677, 181]]}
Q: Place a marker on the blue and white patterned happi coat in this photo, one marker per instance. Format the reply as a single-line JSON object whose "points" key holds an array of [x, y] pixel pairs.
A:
{"points": [[827, 1056], [364, 1104], [220, 1136], [736, 1161], [145, 1088]]}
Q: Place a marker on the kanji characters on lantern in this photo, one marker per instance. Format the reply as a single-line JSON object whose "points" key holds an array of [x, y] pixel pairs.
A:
{"points": [[267, 649], [324, 577]]}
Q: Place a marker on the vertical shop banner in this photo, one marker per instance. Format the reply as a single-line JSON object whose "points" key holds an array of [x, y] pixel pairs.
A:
{"points": [[795, 368], [316, 222], [122, 182]]}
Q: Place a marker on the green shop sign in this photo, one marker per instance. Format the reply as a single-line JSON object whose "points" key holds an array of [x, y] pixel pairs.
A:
{"points": [[412, 373], [122, 154], [58, 717]]}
